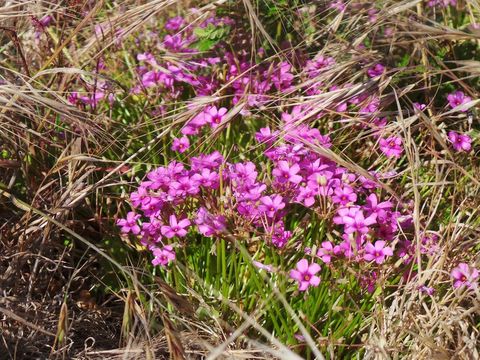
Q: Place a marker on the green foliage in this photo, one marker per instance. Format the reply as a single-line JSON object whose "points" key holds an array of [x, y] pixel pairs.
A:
{"points": [[210, 36]]}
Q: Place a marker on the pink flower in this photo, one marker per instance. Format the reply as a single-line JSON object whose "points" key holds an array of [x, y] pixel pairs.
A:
{"points": [[377, 252], [371, 107], [460, 142], [464, 275], [282, 78], [174, 24], [280, 236], [147, 57], [181, 144], [299, 337], [344, 195], [207, 178], [376, 70], [285, 173], [208, 224], [93, 99], [271, 204], [183, 186], [419, 106], [163, 256], [369, 281], [458, 98], [265, 135], [129, 224], [426, 290], [380, 209], [338, 4], [316, 66], [305, 274], [173, 42], [372, 15], [341, 107], [175, 228], [358, 223], [45, 21], [389, 31], [325, 252], [391, 146], [215, 116], [442, 3]]}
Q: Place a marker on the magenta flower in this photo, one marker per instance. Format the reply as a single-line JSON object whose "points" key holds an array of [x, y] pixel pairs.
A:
{"points": [[42, 23], [358, 223], [280, 236], [344, 195], [208, 224], [391, 146], [318, 64], [175, 228], [371, 107], [282, 78], [93, 99], [338, 4], [174, 24], [280, 239], [369, 281], [458, 98], [173, 42], [207, 178], [148, 58], [163, 256], [325, 252], [271, 204], [183, 186], [442, 3], [265, 135], [380, 209], [215, 116], [341, 107], [389, 31], [181, 144], [344, 212], [245, 172], [376, 70], [377, 252], [306, 196], [426, 290], [129, 224], [464, 275], [285, 173], [194, 125], [460, 142], [372, 15], [419, 107], [305, 274], [140, 198]]}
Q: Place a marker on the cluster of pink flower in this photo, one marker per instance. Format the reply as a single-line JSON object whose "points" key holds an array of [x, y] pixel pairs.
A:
{"points": [[218, 197], [198, 75], [173, 198]]}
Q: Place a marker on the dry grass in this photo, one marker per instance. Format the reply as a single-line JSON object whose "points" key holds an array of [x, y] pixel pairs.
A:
{"points": [[46, 309]]}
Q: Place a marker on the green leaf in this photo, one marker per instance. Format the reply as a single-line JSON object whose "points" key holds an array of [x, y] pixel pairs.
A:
{"points": [[205, 45], [200, 32]]}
